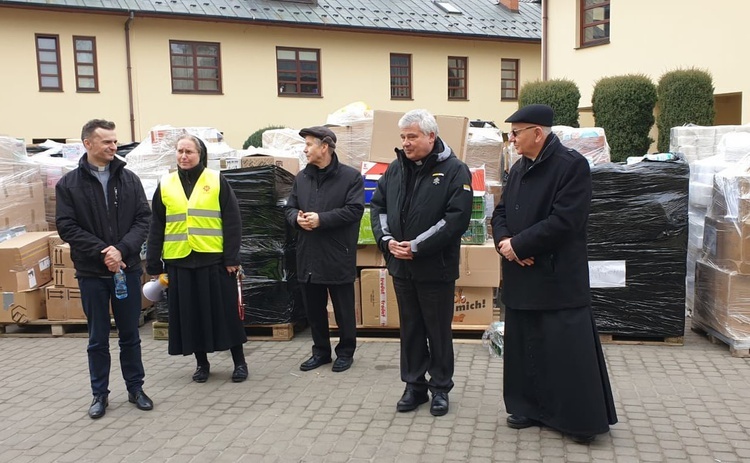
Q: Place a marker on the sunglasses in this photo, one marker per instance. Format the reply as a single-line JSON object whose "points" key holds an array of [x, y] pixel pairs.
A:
{"points": [[514, 133]]}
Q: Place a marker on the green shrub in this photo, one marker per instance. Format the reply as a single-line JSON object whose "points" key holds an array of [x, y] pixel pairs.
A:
{"points": [[561, 94], [256, 139], [624, 107], [685, 96]]}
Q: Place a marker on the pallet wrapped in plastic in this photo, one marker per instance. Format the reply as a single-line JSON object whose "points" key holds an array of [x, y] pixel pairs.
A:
{"points": [[591, 142], [21, 190], [484, 148], [270, 291], [637, 233]]}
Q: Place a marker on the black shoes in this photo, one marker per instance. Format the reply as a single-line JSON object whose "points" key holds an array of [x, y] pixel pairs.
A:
{"points": [[314, 362], [439, 406], [521, 422], [411, 400], [240, 373], [342, 364], [141, 400], [201, 373], [98, 406], [583, 439]]}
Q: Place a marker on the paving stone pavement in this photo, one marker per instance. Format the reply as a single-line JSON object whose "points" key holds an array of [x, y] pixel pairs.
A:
{"points": [[686, 403]]}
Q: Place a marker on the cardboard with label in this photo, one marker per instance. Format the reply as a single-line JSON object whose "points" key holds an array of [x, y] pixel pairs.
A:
{"points": [[25, 262], [61, 256], [386, 135], [65, 277], [369, 255], [64, 303], [472, 306], [379, 305]]}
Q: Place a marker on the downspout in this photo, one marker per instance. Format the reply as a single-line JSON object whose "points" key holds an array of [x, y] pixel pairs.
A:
{"points": [[130, 75], [544, 40]]}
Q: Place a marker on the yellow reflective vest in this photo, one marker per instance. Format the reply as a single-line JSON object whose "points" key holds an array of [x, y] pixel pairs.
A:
{"points": [[192, 224]]}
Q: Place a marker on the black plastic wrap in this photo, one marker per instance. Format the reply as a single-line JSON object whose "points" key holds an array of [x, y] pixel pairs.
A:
{"points": [[261, 185], [270, 291], [639, 220]]}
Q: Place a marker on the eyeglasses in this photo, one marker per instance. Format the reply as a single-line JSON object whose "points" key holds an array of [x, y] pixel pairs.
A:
{"points": [[514, 133]]}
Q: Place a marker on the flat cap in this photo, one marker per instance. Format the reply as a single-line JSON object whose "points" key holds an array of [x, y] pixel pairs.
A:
{"points": [[325, 134], [538, 114]]}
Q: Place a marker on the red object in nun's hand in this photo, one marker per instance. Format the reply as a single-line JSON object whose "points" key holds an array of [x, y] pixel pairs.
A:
{"points": [[240, 305]]}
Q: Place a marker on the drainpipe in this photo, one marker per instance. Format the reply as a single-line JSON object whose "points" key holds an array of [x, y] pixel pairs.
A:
{"points": [[130, 75], [544, 39]]}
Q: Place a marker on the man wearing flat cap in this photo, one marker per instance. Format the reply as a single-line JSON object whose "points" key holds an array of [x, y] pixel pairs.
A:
{"points": [[555, 374], [326, 205]]}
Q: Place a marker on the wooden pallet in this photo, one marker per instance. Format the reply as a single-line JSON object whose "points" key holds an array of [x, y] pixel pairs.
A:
{"points": [[48, 328], [277, 332], [737, 348], [56, 328], [641, 340], [459, 331]]}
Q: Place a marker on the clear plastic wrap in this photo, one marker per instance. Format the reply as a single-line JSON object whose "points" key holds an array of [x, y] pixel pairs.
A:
{"points": [[492, 339], [638, 229], [484, 148], [21, 189], [697, 142], [722, 273], [287, 141], [591, 142], [353, 141]]}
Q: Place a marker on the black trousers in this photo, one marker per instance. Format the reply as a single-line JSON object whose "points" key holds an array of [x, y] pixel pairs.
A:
{"points": [[316, 299], [425, 312]]}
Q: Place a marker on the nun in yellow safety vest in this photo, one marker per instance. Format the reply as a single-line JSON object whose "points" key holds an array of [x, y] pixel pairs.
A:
{"points": [[195, 238]]}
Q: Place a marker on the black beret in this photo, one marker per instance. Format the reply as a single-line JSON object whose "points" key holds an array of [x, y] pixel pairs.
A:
{"points": [[325, 134], [538, 114]]}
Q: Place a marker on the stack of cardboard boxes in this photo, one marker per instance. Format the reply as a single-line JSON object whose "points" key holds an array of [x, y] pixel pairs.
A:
{"points": [[722, 274], [25, 266], [63, 296]]}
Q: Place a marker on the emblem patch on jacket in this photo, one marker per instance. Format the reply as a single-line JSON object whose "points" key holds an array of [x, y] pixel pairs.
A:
{"points": [[436, 181], [467, 187], [206, 188]]}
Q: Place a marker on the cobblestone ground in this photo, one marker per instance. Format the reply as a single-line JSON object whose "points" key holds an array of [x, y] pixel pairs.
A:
{"points": [[685, 403]]}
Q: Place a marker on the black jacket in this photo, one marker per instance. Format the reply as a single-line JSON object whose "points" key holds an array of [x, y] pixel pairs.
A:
{"points": [[545, 209], [84, 221], [328, 254], [437, 214], [230, 220]]}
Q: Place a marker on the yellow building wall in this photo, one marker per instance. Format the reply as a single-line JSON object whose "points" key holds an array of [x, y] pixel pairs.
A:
{"points": [[28, 113], [354, 67], [654, 37]]}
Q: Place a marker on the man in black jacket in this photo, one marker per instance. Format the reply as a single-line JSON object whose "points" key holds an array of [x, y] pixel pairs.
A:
{"points": [[554, 368], [419, 211], [103, 213], [326, 205]]}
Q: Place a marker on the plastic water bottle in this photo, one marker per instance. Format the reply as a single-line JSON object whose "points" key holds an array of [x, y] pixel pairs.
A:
{"points": [[121, 285]]}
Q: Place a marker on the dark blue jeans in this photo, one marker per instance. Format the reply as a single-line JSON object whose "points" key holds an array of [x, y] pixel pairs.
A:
{"points": [[96, 294]]}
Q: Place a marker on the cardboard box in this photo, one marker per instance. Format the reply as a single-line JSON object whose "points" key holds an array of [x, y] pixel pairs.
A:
{"points": [[289, 163], [368, 255], [353, 141], [57, 302], [722, 300], [479, 266], [61, 256], [64, 303], [64, 277], [379, 305], [726, 243], [472, 306], [386, 135], [23, 307], [357, 307], [24, 279], [24, 251]]}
